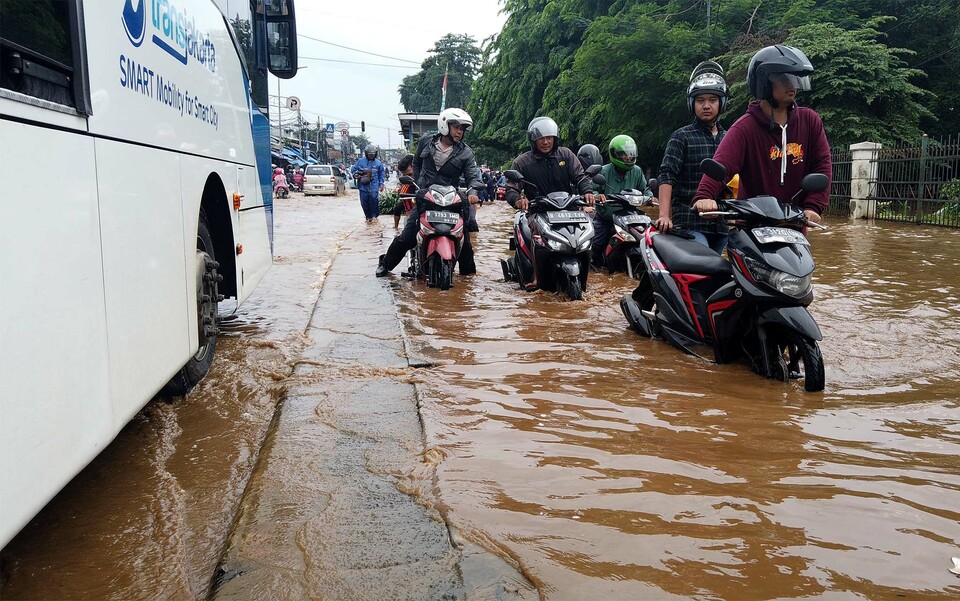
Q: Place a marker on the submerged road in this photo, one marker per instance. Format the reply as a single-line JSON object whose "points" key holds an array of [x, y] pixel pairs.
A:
{"points": [[363, 438]]}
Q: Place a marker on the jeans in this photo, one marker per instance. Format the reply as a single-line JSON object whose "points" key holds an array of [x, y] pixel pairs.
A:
{"points": [[370, 203]]}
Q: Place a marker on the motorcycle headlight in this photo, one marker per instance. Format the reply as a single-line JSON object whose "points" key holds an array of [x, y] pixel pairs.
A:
{"points": [[627, 236], [554, 245], [781, 281]]}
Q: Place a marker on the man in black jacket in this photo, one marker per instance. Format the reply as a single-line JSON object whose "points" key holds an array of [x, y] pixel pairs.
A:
{"points": [[440, 159], [547, 165]]}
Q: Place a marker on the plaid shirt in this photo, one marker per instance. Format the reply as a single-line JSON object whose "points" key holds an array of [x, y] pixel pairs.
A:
{"points": [[681, 168]]}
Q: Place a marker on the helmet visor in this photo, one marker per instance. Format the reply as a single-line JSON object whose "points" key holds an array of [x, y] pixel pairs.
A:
{"points": [[791, 81]]}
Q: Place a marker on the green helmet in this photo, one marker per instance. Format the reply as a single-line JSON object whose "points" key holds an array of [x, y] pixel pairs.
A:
{"points": [[623, 152]]}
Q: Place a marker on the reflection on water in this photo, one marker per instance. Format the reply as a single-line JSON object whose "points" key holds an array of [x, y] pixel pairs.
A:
{"points": [[613, 466]]}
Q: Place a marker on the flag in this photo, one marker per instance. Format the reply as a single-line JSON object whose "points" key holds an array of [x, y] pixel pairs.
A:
{"points": [[443, 98]]}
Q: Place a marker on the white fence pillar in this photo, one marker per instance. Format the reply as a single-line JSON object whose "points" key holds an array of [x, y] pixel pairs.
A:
{"points": [[862, 172]]}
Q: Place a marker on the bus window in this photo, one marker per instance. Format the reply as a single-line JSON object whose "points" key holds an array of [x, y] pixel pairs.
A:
{"points": [[39, 51]]}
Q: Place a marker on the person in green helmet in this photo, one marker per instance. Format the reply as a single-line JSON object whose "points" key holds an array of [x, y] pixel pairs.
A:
{"points": [[621, 173]]}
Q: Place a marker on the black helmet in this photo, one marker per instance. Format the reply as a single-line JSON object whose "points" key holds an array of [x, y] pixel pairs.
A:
{"points": [[707, 78], [777, 59], [589, 155], [541, 127], [371, 149]]}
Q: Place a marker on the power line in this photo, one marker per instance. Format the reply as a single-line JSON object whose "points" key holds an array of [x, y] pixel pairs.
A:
{"points": [[393, 58], [332, 60], [930, 58]]}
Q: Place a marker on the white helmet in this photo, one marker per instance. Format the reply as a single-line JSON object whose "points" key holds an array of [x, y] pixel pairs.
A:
{"points": [[454, 116]]}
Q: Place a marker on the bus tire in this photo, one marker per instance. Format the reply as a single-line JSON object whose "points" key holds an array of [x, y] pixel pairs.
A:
{"points": [[208, 297]]}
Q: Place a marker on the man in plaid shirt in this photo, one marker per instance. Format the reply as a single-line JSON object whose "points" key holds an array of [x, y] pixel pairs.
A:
{"points": [[680, 169]]}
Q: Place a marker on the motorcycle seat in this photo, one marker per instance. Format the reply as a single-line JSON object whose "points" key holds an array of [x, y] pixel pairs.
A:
{"points": [[686, 256]]}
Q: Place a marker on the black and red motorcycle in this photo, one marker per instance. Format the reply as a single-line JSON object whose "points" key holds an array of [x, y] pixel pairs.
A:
{"points": [[753, 304]]}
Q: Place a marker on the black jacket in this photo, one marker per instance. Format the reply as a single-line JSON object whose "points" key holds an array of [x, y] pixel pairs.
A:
{"points": [[558, 171], [460, 164]]}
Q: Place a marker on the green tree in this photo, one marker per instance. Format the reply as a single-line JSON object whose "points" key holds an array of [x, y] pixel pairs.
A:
{"points": [[456, 55], [862, 88]]}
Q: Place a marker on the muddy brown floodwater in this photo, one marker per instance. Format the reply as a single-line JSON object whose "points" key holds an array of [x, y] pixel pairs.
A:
{"points": [[602, 464], [609, 466]]}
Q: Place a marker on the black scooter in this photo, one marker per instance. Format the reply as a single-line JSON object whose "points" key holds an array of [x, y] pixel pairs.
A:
{"points": [[629, 224], [552, 243], [753, 305]]}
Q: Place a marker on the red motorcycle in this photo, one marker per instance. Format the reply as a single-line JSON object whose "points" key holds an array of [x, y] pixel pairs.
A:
{"points": [[440, 237], [500, 193]]}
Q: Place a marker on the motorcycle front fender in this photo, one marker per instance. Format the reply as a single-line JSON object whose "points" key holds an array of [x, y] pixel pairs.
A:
{"points": [[443, 246], [570, 266], [794, 318]]}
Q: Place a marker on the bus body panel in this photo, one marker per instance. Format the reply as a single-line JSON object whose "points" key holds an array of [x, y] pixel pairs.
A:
{"points": [[98, 308], [55, 411], [145, 94], [143, 241]]}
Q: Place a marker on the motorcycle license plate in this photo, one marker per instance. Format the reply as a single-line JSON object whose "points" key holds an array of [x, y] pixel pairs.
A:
{"points": [[631, 219], [784, 235], [560, 217], [443, 217]]}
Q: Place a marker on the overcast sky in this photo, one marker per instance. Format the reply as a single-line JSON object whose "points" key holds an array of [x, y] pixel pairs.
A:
{"points": [[340, 91]]}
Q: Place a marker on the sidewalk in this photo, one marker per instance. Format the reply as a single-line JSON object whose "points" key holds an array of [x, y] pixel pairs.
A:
{"points": [[341, 504]]}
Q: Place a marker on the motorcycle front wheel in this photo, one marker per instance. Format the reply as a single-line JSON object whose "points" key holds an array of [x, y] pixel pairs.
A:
{"points": [[445, 277], [803, 359], [574, 291]]}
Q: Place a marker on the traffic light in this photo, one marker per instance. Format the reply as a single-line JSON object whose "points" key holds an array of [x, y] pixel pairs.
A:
{"points": [[363, 127]]}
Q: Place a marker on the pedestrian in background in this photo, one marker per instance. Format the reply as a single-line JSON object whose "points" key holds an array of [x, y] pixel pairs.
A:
{"points": [[368, 173]]}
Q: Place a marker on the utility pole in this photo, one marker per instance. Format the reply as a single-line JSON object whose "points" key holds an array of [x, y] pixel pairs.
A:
{"points": [[708, 15]]}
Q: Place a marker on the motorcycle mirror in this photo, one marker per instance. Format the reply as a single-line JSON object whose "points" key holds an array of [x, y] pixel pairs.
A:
{"points": [[406, 179], [814, 182], [513, 175], [592, 170], [599, 179], [713, 170]]}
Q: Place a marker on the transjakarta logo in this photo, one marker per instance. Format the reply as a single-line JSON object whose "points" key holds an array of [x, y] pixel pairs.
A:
{"points": [[173, 31]]}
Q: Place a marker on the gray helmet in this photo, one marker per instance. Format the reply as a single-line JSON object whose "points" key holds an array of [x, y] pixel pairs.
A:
{"points": [[777, 59], [707, 78], [589, 155], [541, 127], [371, 149]]}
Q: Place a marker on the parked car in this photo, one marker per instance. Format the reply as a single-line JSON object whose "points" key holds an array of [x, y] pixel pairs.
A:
{"points": [[323, 179]]}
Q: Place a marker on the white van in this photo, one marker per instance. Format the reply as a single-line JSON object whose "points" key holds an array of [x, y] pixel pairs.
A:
{"points": [[323, 179]]}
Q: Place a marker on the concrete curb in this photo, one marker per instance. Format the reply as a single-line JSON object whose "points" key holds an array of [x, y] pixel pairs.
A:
{"points": [[342, 503]]}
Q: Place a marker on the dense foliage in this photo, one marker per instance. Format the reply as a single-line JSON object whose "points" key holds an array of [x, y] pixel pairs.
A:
{"points": [[456, 55], [886, 69]]}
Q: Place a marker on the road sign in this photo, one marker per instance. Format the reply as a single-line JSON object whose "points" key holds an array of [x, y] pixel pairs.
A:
{"points": [[330, 128], [344, 132], [293, 103], [343, 125]]}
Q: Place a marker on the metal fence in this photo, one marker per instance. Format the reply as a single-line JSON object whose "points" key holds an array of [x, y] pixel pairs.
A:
{"points": [[920, 184], [840, 186]]}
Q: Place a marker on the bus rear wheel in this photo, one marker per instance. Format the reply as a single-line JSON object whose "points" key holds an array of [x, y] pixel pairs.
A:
{"points": [[208, 298]]}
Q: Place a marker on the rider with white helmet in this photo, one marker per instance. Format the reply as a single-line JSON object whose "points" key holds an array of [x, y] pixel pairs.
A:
{"points": [[442, 158]]}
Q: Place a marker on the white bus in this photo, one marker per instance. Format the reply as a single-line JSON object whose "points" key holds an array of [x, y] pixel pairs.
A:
{"points": [[134, 193]]}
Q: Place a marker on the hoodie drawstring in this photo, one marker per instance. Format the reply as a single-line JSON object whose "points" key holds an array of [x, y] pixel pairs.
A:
{"points": [[783, 152]]}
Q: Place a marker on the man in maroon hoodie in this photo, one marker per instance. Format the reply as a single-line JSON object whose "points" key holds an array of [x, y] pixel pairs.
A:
{"points": [[776, 142]]}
